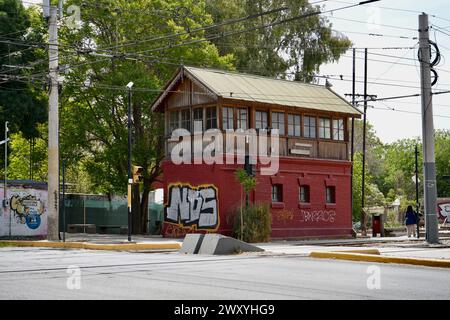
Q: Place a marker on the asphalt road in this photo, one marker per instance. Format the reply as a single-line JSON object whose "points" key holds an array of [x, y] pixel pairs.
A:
{"points": [[37, 273]]}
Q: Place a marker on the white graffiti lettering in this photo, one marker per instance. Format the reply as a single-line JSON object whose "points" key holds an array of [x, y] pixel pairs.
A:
{"points": [[317, 216], [191, 206]]}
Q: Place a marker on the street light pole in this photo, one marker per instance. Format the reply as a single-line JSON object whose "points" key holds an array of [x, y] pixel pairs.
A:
{"points": [[130, 177], [6, 175]]}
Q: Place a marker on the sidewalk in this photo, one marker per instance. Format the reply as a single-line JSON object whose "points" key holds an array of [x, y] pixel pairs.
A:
{"points": [[102, 242], [400, 250]]}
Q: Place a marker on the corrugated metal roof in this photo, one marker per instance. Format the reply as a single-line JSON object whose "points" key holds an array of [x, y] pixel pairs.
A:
{"points": [[266, 90]]}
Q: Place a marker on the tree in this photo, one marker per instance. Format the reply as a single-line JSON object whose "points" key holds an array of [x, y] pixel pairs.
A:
{"points": [[301, 45], [93, 119], [22, 103]]}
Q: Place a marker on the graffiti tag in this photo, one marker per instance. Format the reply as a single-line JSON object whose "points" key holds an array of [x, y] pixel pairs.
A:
{"points": [[317, 216], [193, 207], [444, 210]]}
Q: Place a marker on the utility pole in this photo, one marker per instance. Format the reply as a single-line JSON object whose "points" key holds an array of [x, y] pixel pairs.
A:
{"points": [[352, 152], [363, 193], [53, 129], [5, 201], [429, 165], [417, 191]]}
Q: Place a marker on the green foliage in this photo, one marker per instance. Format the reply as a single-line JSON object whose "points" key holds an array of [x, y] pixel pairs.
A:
{"points": [[257, 223], [302, 45], [22, 103], [247, 182], [22, 155]]}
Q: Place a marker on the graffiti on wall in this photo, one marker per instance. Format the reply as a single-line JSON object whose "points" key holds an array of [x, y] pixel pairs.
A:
{"points": [[444, 210], [306, 216], [193, 207], [27, 210]]}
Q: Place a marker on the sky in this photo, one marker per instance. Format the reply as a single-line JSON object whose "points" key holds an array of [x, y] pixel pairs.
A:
{"points": [[398, 75], [377, 19]]}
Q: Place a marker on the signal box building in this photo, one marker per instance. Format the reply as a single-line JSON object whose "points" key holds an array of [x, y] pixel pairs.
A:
{"points": [[309, 195]]}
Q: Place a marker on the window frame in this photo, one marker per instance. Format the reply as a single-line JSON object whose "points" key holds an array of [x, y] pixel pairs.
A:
{"points": [[239, 119], [277, 189], [280, 122], [194, 119], [323, 129], [338, 130], [261, 120], [292, 125], [332, 194], [227, 117], [307, 194], [307, 125], [211, 120]]}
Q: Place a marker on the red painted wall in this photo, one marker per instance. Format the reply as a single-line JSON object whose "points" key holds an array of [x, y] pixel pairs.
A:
{"points": [[289, 218]]}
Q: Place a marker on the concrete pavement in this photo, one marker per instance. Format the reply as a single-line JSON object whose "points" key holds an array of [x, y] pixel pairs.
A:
{"points": [[46, 273]]}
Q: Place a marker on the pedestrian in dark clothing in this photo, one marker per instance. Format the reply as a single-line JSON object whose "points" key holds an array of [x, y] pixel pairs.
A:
{"points": [[410, 221]]}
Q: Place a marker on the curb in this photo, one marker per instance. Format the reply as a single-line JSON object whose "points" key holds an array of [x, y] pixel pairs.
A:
{"points": [[94, 246], [381, 259]]}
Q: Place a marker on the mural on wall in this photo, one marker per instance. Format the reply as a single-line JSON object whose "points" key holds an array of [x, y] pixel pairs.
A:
{"points": [[194, 208], [27, 210]]}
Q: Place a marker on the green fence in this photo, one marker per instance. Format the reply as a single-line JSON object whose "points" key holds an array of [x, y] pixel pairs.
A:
{"points": [[101, 210]]}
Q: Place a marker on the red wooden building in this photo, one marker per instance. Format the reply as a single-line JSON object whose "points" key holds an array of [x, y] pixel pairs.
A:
{"points": [[310, 194]]}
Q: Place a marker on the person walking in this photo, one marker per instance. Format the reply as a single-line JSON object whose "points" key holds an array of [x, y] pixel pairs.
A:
{"points": [[410, 221]]}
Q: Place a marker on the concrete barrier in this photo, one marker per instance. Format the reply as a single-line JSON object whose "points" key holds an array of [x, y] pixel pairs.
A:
{"points": [[215, 244]]}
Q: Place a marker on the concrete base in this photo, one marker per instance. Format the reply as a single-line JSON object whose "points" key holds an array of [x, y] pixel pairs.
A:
{"points": [[192, 243], [215, 244]]}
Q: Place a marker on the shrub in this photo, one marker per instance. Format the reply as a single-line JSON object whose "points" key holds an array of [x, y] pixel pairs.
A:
{"points": [[257, 223]]}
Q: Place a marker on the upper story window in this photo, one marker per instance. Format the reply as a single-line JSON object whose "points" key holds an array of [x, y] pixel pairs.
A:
{"points": [[324, 128], [294, 125], [278, 121], [211, 118], [338, 129], [227, 118], [173, 121], [309, 127], [198, 119], [261, 120], [242, 119], [186, 119]]}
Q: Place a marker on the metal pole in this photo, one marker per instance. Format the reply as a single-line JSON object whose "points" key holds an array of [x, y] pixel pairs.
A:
{"points": [[363, 214], [352, 152], [417, 190], [130, 177], [64, 199], [6, 177], [429, 165], [53, 144]]}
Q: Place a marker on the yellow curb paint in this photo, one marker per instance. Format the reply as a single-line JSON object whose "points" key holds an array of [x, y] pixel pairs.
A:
{"points": [[362, 251], [95, 246], [381, 259]]}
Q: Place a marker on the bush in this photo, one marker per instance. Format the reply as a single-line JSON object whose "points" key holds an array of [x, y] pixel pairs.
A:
{"points": [[257, 223]]}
